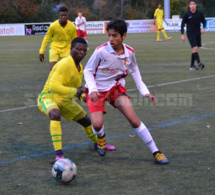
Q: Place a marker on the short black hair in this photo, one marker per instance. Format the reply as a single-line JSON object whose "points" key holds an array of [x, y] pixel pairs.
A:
{"points": [[119, 25], [63, 9], [192, 1], [78, 40]]}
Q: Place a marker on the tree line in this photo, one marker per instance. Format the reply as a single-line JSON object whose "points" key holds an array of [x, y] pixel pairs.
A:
{"points": [[25, 11]]}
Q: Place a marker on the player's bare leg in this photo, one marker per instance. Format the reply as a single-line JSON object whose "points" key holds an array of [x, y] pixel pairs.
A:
{"points": [[124, 105]]}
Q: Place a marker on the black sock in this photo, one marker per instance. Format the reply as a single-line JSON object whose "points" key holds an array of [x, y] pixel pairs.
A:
{"points": [[192, 59], [197, 57]]}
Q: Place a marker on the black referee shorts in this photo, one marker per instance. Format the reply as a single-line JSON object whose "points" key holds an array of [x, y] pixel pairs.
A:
{"points": [[195, 40]]}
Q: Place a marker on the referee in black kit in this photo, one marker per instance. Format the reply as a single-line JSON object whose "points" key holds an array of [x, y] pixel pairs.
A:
{"points": [[193, 18]]}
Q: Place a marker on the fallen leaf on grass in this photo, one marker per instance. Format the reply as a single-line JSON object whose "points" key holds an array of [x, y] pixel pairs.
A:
{"points": [[131, 135]]}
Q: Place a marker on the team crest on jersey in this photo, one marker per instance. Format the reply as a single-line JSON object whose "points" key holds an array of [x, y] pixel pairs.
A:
{"points": [[124, 62], [69, 31]]}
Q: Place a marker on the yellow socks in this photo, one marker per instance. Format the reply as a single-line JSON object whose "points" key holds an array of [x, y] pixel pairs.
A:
{"points": [[164, 33], [158, 35], [90, 134], [56, 133]]}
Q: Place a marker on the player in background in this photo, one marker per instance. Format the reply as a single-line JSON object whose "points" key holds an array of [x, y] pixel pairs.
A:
{"points": [[60, 34], [159, 16], [193, 19], [104, 75], [56, 98], [80, 23]]}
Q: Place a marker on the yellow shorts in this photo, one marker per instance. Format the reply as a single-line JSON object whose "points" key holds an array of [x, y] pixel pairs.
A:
{"points": [[160, 25], [69, 109], [58, 53]]}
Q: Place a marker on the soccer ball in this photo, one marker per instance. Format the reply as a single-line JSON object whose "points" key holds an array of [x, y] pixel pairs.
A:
{"points": [[64, 170]]}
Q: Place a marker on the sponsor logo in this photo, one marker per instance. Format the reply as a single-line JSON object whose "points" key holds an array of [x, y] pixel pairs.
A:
{"points": [[100, 25], [7, 31], [109, 70]]}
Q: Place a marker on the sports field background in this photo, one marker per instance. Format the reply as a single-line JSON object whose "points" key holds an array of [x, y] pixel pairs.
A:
{"points": [[182, 124]]}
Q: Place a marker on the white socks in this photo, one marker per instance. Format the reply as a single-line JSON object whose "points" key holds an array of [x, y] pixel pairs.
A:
{"points": [[145, 135], [99, 133]]}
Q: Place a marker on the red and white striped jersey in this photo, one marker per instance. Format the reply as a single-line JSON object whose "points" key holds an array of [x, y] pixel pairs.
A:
{"points": [[106, 69]]}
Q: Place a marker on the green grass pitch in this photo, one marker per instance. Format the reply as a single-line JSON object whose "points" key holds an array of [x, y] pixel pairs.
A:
{"points": [[188, 144]]}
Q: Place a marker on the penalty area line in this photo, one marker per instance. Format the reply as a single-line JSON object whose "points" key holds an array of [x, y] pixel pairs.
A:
{"points": [[150, 86], [116, 136]]}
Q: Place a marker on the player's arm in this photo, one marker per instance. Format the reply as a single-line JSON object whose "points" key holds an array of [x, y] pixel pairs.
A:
{"points": [[134, 70], [45, 41], [155, 14], [203, 21], [89, 72], [182, 27], [57, 81], [78, 24], [84, 24], [165, 21]]}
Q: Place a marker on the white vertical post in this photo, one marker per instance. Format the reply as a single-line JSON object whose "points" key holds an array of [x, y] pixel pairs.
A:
{"points": [[167, 9]]}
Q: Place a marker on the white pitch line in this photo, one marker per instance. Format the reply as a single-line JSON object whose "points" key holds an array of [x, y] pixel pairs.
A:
{"points": [[158, 85], [13, 109], [206, 48], [175, 82]]}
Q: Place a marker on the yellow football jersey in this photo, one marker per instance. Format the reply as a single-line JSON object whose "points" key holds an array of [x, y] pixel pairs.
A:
{"points": [[63, 80], [159, 13], [59, 37]]}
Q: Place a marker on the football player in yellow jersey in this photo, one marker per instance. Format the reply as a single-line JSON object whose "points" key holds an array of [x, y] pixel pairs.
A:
{"points": [[60, 34], [56, 98], [158, 15]]}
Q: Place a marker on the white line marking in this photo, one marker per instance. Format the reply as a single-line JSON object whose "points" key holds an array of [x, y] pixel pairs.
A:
{"points": [[207, 44], [176, 82], [158, 85], [12, 109]]}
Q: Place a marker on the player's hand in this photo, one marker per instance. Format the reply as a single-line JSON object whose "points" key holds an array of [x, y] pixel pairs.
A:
{"points": [[202, 31], [41, 57], [154, 22], [94, 96], [151, 97], [183, 37], [80, 91]]}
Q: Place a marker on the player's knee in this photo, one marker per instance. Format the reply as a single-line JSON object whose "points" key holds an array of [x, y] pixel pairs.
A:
{"points": [[135, 123], [97, 126], [85, 122], [55, 115], [195, 49]]}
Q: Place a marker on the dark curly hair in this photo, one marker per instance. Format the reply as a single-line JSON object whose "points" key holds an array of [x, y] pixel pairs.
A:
{"points": [[119, 25]]}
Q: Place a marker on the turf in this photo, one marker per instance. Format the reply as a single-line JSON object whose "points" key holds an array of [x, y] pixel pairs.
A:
{"points": [[188, 144]]}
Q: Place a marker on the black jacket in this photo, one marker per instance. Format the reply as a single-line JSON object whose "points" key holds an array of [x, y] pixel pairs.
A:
{"points": [[193, 21]]}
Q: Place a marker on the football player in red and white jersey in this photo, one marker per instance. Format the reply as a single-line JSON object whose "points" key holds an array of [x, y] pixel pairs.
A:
{"points": [[105, 75], [80, 23]]}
